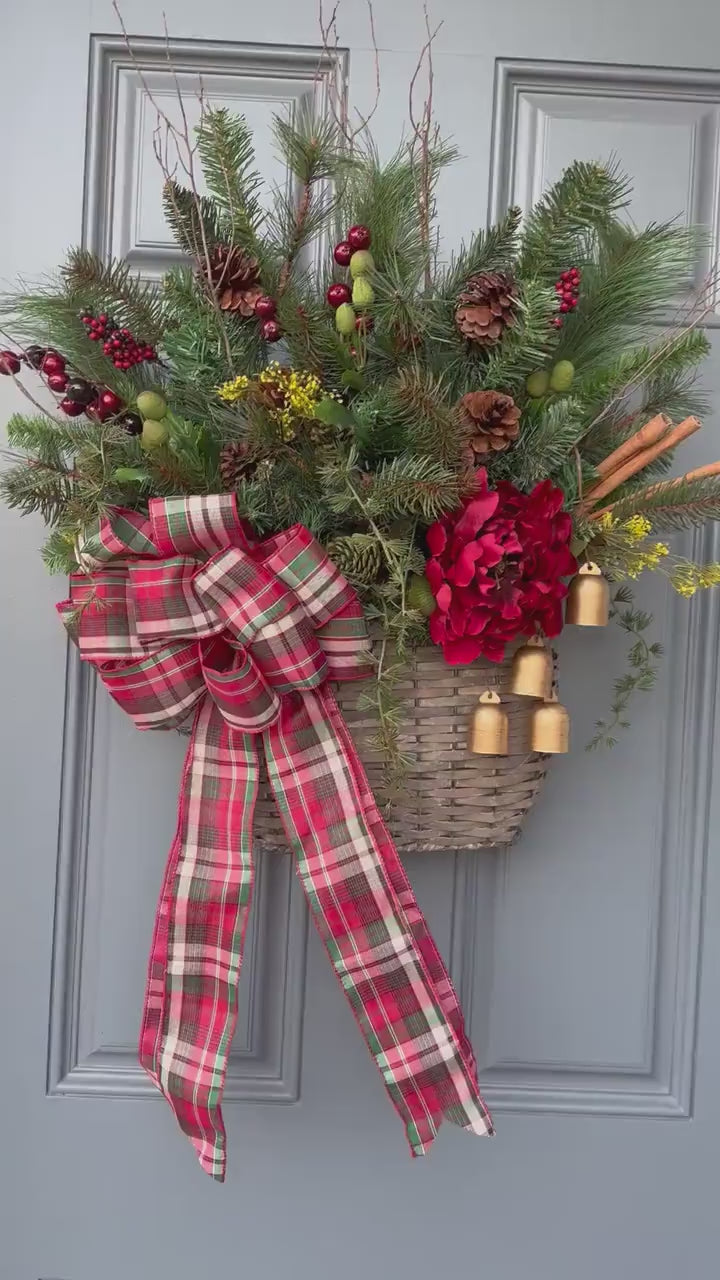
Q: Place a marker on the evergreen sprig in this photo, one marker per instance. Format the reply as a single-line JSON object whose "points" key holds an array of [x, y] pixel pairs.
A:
{"points": [[641, 675]]}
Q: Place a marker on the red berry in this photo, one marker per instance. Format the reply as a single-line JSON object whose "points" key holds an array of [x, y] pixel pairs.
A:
{"points": [[271, 330], [265, 308], [568, 295], [573, 304], [564, 306], [342, 253], [53, 363], [96, 413], [338, 294], [557, 322], [109, 401], [559, 287], [71, 408], [9, 362], [57, 382], [358, 238]]}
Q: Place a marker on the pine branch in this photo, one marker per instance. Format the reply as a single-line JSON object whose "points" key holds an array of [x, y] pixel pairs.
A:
{"points": [[431, 426], [227, 156], [405, 486], [491, 250], [115, 289], [626, 293], [191, 218], [549, 434], [678, 507], [586, 198]]}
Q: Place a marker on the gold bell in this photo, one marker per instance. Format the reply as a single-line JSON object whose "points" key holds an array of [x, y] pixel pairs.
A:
{"points": [[532, 669], [488, 734], [550, 728], [588, 600]]}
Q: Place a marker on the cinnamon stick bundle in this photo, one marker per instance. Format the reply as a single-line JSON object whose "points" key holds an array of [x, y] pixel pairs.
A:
{"points": [[637, 461], [648, 435], [666, 486]]}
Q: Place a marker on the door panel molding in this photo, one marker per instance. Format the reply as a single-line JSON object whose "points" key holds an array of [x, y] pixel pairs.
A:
{"points": [[535, 98], [118, 180]]}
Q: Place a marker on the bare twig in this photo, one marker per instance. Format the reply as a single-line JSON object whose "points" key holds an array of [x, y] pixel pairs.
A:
{"points": [[425, 136], [337, 100]]}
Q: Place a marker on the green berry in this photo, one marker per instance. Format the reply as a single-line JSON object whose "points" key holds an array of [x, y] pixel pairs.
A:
{"points": [[345, 319], [154, 433], [363, 294], [538, 384], [419, 595], [151, 405], [361, 263], [561, 378]]}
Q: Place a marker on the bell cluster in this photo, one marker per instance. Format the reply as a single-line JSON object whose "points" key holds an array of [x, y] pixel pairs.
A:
{"points": [[531, 677]]}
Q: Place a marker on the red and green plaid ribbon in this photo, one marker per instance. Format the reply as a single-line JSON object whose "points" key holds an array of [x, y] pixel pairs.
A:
{"points": [[183, 615]]}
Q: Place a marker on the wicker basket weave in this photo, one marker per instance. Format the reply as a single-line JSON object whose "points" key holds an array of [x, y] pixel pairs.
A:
{"points": [[451, 799]]}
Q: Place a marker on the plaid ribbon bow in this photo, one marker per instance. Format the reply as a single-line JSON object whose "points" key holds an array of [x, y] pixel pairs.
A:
{"points": [[180, 613]]}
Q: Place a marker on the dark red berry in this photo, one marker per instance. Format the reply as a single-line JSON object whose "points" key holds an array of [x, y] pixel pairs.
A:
{"points": [[57, 382], [71, 408], [342, 253], [53, 363], [109, 401], [9, 362], [132, 423], [573, 304], [337, 294], [80, 391], [34, 356], [95, 412], [271, 331], [358, 238], [265, 307]]}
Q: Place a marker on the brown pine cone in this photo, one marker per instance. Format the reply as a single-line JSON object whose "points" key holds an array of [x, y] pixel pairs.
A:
{"points": [[237, 462], [235, 279], [486, 307], [494, 422]]}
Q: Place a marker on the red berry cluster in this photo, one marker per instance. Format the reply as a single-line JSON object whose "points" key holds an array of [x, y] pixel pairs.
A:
{"points": [[119, 344], [567, 289], [265, 310]]}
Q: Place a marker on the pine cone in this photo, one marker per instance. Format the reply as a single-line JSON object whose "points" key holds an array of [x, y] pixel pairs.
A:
{"points": [[487, 307], [359, 557], [237, 462], [235, 278], [493, 419]]}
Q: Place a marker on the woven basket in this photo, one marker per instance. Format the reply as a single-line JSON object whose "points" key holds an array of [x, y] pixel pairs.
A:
{"points": [[451, 798]]}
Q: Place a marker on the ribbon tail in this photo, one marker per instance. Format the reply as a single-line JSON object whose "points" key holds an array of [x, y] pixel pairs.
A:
{"points": [[368, 918], [190, 1008]]}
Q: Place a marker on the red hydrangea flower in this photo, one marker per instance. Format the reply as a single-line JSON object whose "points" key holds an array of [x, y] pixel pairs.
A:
{"points": [[497, 569]]}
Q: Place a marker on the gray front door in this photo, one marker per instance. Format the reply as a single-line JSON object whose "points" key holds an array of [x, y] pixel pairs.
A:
{"points": [[588, 957]]}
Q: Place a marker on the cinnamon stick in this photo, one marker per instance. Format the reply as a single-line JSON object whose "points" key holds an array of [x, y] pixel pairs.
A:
{"points": [[648, 435], [699, 473], [640, 460]]}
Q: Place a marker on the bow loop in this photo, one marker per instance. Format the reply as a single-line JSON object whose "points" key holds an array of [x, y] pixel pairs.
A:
{"points": [[197, 526], [238, 688], [165, 601]]}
